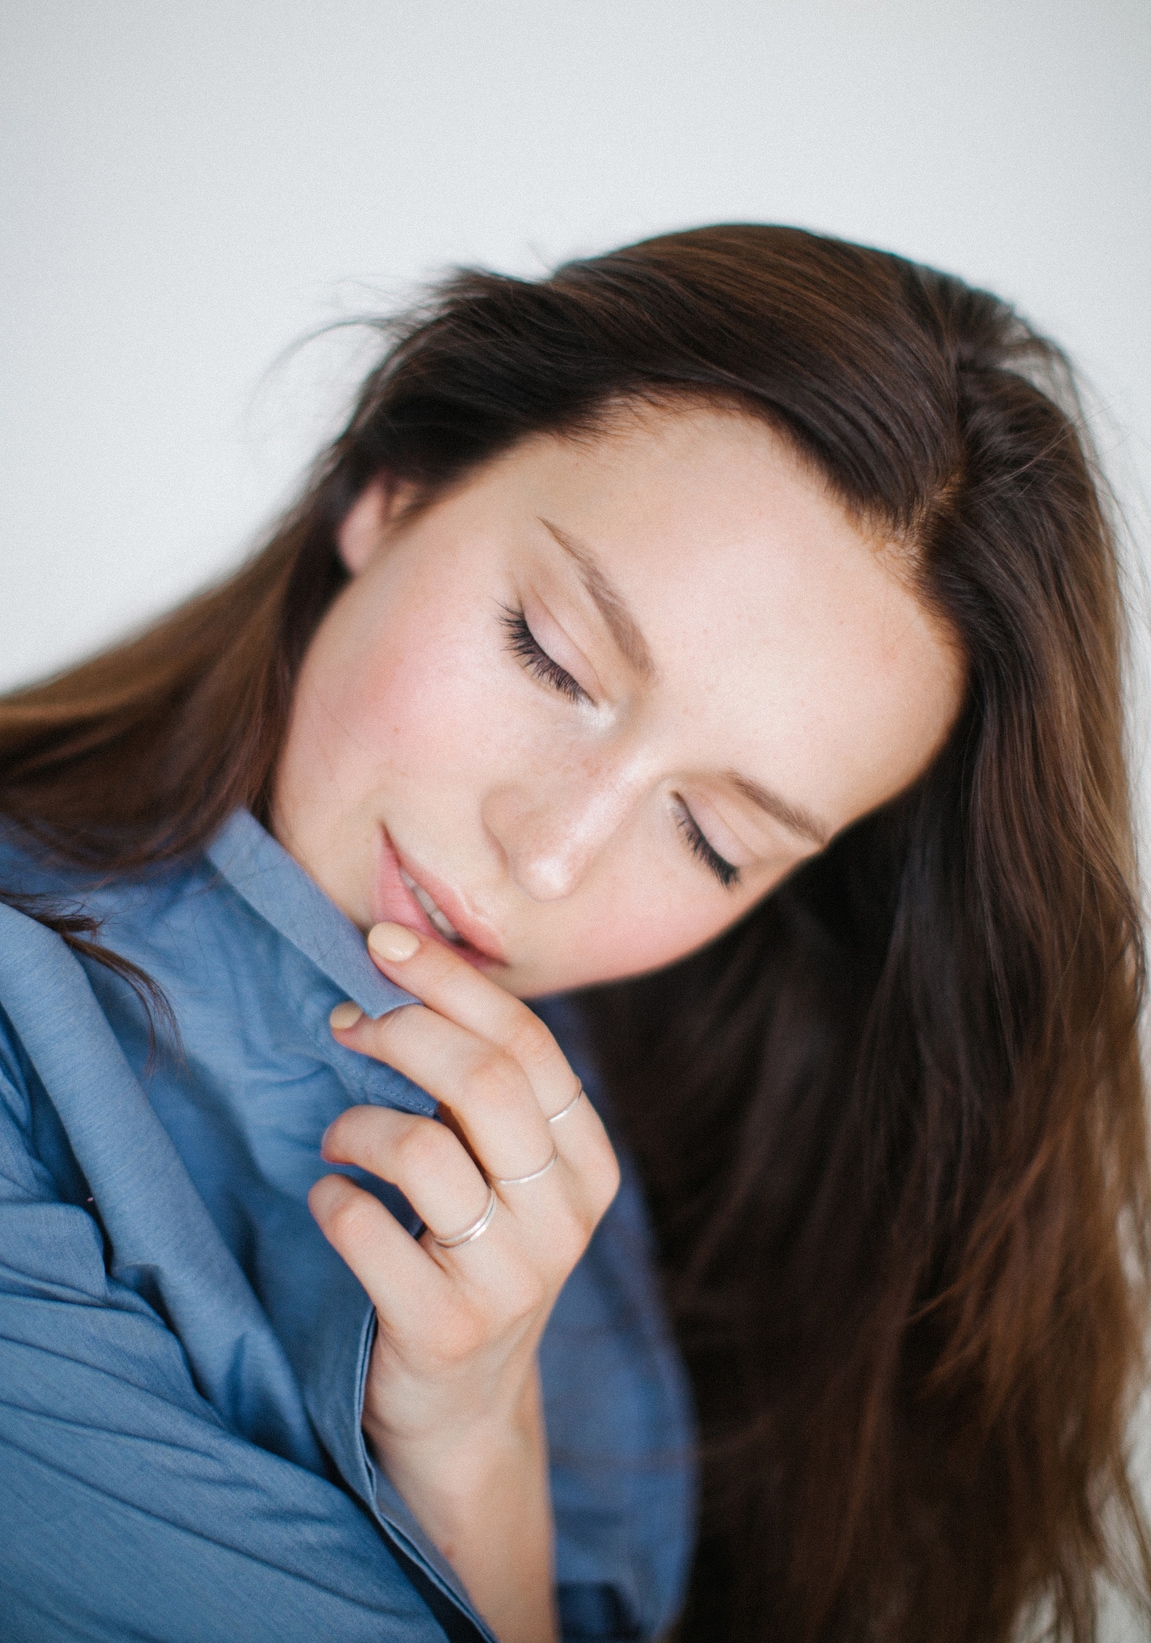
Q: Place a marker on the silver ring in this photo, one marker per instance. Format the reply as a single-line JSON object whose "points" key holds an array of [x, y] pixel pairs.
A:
{"points": [[563, 1112], [481, 1225], [519, 1180]]}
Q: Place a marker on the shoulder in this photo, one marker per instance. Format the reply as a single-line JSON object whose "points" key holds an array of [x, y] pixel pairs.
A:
{"points": [[38, 979], [30, 871], [121, 912], [26, 869]]}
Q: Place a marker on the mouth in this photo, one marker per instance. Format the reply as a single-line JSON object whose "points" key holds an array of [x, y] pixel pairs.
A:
{"points": [[407, 894], [439, 918]]}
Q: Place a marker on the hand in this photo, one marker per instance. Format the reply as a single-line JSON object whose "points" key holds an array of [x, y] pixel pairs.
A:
{"points": [[452, 1408]]}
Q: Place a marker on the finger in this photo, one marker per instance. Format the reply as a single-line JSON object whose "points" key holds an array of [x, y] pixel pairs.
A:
{"points": [[456, 989], [418, 1155], [478, 1089], [400, 1276], [485, 1090]]}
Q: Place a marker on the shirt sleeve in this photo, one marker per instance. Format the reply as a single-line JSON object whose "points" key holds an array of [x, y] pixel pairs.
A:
{"points": [[128, 1509]]}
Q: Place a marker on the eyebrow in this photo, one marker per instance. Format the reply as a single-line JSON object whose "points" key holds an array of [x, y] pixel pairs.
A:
{"points": [[793, 816], [621, 623], [631, 642]]}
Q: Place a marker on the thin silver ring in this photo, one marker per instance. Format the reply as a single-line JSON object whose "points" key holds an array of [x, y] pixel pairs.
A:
{"points": [[563, 1112], [478, 1226], [520, 1180]]}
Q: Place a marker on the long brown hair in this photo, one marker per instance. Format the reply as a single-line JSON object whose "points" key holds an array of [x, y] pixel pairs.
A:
{"points": [[891, 1125]]}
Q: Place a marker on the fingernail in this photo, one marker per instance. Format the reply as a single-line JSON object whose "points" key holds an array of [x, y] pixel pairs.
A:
{"points": [[393, 941], [345, 1015]]}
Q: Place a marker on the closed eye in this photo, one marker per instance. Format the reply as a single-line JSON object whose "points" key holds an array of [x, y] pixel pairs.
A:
{"points": [[725, 872], [523, 643]]}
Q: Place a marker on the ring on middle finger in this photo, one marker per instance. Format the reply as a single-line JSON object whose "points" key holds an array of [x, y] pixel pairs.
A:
{"points": [[521, 1180], [478, 1226]]}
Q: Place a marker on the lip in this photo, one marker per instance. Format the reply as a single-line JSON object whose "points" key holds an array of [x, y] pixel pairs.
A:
{"points": [[396, 903]]}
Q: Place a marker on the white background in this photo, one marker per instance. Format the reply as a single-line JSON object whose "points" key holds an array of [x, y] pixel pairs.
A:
{"points": [[187, 189]]}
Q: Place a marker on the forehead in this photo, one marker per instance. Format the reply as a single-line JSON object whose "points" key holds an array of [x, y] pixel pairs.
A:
{"points": [[787, 641]]}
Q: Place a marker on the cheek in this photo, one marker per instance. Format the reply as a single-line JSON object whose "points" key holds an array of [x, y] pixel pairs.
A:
{"points": [[402, 709], [632, 945], [630, 931]]}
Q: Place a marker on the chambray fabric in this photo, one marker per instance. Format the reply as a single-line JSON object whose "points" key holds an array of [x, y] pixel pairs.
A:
{"points": [[182, 1354]]}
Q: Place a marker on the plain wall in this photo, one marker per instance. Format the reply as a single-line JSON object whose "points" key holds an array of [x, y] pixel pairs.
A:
{"points": [[186, 190]]}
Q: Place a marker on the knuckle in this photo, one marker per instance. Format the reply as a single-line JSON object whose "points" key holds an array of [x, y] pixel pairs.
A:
{"points": [[529, 1042], [491, 1077], [391, 1029], [606, 1180], [460, 1333], [571, 1237], [600, 1176], [585, 1210], [421, 1147], [355, 1136], [349, 1222], [337, 1134], [524, 1291]]}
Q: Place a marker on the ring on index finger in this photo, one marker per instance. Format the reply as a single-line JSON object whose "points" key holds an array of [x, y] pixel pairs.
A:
{"points": [[563, 1112]]}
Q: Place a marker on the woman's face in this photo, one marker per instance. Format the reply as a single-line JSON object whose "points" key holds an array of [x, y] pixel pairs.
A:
{"points": [[597, 701]]}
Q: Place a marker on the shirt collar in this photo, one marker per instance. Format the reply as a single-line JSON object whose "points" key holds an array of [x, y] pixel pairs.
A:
{"points": [[276, 887]]}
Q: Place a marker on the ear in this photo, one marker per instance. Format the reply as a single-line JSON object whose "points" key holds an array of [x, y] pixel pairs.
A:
{"points": [[365, 526]]}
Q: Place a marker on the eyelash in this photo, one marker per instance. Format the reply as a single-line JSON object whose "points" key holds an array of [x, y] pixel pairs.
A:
{"points": [[727, 875], [523, 644]]}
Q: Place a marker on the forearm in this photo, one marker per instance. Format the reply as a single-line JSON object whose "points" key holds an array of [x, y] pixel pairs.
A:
{"points": [[487, 1506]]}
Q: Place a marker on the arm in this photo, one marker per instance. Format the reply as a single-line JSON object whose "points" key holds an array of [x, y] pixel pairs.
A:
{"points": [[452, 1410], [127, 1507]]}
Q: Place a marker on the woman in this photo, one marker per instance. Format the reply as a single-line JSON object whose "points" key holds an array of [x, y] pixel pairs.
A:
{"points": [[720, 642]]}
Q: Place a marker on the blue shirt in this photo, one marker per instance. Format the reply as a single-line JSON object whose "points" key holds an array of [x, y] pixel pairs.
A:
{"points": [[182, 1354]]}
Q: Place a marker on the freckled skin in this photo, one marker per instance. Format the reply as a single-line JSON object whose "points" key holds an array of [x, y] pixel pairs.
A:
{"points": [[784, 646]]}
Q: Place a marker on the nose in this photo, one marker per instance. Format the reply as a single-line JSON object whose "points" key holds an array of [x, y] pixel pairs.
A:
{"points": [[551, 832]]}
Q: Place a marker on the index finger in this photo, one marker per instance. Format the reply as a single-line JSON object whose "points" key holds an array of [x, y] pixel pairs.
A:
{"points": [[454, 988]]}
